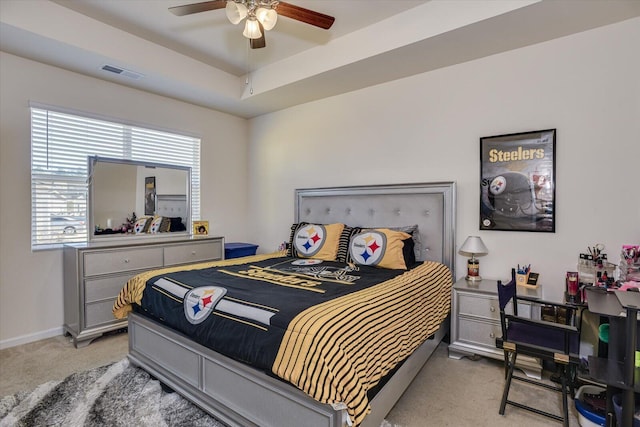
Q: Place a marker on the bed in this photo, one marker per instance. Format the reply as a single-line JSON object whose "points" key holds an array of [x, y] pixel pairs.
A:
{"points": [[242, 395]]}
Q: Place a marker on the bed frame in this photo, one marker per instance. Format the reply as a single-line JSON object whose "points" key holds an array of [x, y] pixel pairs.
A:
{"points": [[240, 395]]}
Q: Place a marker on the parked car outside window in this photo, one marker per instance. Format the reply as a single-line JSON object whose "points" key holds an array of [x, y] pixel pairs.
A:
{"points": [[66, 224]]}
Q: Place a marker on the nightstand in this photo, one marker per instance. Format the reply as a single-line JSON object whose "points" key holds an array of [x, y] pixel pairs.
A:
{"points": [[475, 322]]}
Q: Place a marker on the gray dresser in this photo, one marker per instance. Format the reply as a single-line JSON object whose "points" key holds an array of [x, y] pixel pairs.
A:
{"points": [[94, 274]]}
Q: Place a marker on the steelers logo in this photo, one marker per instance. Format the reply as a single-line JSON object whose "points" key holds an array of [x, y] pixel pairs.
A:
{"points": [[199, 302], [368, 248], [498, 185], [309, 239]]}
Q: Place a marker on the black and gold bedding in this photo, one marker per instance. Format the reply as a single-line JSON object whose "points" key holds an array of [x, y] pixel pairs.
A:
{"points": [[331, 329]]}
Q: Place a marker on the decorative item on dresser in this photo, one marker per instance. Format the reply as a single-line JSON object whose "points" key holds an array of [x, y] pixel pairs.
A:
{"points": [[475, 322], [95, 272]]}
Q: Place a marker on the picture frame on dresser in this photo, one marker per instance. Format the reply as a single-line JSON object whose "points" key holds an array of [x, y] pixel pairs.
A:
{"points": [[200, 228], [518, 181]]}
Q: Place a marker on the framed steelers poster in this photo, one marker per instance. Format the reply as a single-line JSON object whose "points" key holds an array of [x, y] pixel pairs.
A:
{"points": [[517, 182]]}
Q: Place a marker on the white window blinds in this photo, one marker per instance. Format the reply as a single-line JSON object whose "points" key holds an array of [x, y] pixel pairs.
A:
{"points": [[60, 144]]}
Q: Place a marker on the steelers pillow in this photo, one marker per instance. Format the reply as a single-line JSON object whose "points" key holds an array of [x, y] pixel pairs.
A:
{"points": [[142, 224], [379, 247], [343, 245], [318, 241], [155, 224]]}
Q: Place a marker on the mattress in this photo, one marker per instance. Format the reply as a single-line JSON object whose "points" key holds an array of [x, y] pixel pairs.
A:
{"points": [[333, 330]]}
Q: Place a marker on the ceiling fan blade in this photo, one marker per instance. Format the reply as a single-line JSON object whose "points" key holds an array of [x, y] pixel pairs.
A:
{"points": [[188, 9], [305, 15], [258, 43]]}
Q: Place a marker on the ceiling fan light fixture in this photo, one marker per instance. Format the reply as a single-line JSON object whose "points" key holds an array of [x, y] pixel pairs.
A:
{"points": [[259, 15], [236, 12], [252, 29], [267, 17]]}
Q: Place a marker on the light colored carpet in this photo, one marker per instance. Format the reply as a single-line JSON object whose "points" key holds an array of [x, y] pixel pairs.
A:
{"points": [[450, 392], [27, 366], [446, 392]]}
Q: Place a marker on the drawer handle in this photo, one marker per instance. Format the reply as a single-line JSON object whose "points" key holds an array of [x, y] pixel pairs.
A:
{"points": [[492, 309], [193, 252], [492, 335], [126, 260]]}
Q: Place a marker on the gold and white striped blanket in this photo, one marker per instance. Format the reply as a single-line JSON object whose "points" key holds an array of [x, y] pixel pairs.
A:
{"points": [[337, 351]]}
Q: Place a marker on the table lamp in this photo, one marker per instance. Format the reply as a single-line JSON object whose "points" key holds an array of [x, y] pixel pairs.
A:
{"points": [[474, 246]]}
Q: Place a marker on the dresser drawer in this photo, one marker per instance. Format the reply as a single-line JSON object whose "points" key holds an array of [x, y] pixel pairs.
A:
{"points": [[122, 260], [478, 332], [479, 305], [99, 313], [103, 288], [192, 252]]}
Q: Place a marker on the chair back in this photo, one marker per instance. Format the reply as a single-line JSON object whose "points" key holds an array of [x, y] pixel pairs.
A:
{"points": [[507, 292]]}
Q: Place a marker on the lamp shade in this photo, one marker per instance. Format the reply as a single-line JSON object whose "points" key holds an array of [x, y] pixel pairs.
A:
{"points": [[474, 245], [267, 17], [252, 29], [236, 12]]}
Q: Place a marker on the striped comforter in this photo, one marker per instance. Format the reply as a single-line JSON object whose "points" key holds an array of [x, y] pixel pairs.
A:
{"points": [[332, 331]]}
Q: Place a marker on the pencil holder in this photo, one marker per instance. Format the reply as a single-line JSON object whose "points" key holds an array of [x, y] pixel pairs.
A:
{"points": [[521, 279]]}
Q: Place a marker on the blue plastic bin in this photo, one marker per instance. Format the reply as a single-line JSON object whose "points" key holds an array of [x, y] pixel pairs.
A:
{"points": [[587, 417], [238, 249]]}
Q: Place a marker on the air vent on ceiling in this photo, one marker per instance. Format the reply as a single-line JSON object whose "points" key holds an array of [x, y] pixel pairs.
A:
{"points": [[122, 72]]}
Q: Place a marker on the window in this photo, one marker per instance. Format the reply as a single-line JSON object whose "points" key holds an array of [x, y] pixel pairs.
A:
{"points": [[60, 144]]}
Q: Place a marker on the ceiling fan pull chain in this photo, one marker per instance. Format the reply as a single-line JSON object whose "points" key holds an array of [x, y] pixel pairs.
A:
{"points": [[248, 80]]}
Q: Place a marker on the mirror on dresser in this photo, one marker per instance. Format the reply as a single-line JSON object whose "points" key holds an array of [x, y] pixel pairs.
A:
{"points": [[133, 198]]}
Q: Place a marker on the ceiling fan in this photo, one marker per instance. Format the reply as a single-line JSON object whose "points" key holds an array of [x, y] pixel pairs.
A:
{"points": [[260, 15]]}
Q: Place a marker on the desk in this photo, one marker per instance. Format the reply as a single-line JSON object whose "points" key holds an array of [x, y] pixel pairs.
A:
{"points": [[618, 371]]}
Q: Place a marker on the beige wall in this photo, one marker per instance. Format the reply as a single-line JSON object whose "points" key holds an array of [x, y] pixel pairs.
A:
{"points": [[31, 303], [427, 128]]}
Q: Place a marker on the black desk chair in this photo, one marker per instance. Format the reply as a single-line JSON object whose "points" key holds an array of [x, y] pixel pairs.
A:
{"points": [[554, 342]]}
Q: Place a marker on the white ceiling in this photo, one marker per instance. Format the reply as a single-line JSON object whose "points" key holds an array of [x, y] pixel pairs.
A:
{"points": [[203, 58]]}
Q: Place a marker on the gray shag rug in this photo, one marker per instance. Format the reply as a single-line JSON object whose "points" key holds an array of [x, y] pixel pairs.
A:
{"points": [[114, 395], [118, 394]]}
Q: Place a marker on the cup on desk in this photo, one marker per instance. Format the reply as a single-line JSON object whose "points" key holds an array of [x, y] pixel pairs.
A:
{"points": [[572, 285]]}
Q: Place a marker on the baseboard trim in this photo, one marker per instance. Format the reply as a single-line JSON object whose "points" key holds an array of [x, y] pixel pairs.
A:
{"points": [[26, 339]]}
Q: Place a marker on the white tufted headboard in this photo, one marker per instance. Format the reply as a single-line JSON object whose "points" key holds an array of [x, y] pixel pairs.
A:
{"points": [[432, 206], [172, 205]]}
